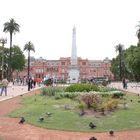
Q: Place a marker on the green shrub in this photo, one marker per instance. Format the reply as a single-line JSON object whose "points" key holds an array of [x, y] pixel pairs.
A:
{"points": [[105, 95], [89, 99], [94, 106], [118, 94], [67, 95], [107, 89], [82, 87], [43, 91], [48, 91], [82, 106], [51, 91], [112, 104]]}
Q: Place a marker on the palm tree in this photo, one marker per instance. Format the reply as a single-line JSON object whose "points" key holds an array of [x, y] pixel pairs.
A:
{"points": [[11, 27], [119, 48], [29, 47]]}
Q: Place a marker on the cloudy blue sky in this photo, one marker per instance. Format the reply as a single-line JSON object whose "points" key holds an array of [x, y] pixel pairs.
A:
{"points": [[100, 24]]}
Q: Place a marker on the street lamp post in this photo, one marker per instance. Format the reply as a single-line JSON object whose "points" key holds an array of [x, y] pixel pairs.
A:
{"points": [[3, 41]]}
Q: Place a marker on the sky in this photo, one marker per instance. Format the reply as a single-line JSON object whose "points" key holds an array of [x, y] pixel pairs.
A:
{"points": [[100, 26]]}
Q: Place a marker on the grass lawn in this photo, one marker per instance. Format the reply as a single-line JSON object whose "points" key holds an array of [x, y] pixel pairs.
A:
{"points": [[62, 119]]}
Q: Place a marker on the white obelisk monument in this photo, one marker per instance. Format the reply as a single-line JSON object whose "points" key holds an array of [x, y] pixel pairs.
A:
{"points": [[74, 69]]}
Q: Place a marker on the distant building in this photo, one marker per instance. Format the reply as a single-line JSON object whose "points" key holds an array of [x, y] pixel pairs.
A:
{"points": [[69, 69], [59, 69]]}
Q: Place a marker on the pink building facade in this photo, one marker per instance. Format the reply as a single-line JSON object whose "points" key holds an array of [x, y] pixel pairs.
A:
{"points": [[59, 69]]}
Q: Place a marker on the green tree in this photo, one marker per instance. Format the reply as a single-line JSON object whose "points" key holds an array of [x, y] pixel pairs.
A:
{"points": [[11, 27], [29, 47], [18, 59], [5, 56], [129, 59], [134, 61], [114, 67], [119, 48]]}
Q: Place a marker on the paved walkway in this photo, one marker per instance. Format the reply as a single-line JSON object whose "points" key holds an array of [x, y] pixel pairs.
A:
{"points": [[15, 90], [131, 87]]}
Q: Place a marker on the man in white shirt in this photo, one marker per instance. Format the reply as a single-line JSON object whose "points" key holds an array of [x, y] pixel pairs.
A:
{"points": [[4, 86]]}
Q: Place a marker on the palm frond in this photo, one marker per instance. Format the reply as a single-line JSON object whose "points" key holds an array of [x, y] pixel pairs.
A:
{"points": [[119, 47], [11, 26], [29, 47]]}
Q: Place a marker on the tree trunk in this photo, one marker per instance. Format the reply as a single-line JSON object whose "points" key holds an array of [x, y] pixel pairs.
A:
{"points": [[28, 70], [28, 64], [120, 65], [10, 56]]}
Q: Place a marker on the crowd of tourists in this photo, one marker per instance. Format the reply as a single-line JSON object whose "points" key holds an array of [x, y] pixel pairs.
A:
{"points": [[31, 83]]}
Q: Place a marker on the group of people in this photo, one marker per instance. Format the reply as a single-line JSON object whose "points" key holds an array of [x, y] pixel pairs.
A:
{"points": [[31, 82], [20, 81]]}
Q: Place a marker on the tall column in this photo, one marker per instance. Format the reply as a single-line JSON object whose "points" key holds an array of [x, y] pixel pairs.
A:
{"points": [[74, 49], [74, 69]]}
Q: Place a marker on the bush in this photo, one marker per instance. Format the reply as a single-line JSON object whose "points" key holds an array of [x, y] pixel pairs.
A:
{"points": [[118, 94], [107, 89], [49, 91], [82, 106], [67, 95], [94, 106], [90, 99], [43, 92], [112, 104], [82, 87]]}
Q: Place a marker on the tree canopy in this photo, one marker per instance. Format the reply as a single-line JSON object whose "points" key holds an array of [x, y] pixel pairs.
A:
{"points": [[130, 63]]}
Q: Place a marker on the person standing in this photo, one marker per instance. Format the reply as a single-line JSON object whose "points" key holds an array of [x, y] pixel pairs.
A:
{"points": [[124, 82], [4, 86]]}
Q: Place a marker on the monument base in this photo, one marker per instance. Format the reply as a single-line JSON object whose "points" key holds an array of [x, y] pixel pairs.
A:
{"points": [[73, 76]]}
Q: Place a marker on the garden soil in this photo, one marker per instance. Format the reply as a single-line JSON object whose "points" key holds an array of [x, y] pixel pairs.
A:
{"points": [[10, 129]]}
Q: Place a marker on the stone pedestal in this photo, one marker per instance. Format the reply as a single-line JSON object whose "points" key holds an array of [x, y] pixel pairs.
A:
{"points": [[73, 74]]}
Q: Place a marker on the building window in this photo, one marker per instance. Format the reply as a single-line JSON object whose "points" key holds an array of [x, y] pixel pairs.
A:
{"points": [[83, 71], [36, 70], [63, 63], [56, 69], [39, 70], [63, 70], [92, 71], [83, 63], [48, 69]]}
